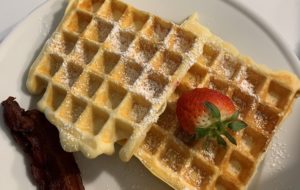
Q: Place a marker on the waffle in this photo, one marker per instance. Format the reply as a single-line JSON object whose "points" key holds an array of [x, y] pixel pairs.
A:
{"points": [[106, 72], [263, 97]]}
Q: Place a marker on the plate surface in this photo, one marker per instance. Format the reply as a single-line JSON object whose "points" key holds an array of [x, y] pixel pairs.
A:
{"points": [[279, 170]]}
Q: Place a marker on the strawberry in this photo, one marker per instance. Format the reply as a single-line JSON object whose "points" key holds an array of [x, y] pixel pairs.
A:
{"points": [[208, 113]]}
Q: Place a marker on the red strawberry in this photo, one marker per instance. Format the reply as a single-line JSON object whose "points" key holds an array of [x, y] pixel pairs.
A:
{"points": [[206, 112]]}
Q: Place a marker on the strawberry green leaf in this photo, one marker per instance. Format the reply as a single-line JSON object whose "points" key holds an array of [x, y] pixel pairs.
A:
{"points": [[237, 125], [214, 110], [230, 137], [221, 141], [201, 132], [234, 116], [230, 119], [219, 126]]}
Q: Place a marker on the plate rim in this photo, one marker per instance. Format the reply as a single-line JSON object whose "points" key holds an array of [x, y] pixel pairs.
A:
{"points": [[285, 50], [290, 55]]}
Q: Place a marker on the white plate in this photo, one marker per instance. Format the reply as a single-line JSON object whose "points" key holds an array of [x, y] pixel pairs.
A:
{"points": [[279, 170]]}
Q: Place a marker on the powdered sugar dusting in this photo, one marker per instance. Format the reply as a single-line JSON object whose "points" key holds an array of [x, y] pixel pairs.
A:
{"points": [[78, 54], [120, 40], [247, 87], [170, 66], [235, 167], [182, 43], [143, 51], [69, 74], [227, 70], [195, 175], [83, 52], [279, 155], [248, 141], [79, 87], [173, 159], [151, 87], [103, 29], [160, 32], [209, 152], [260, 119], [278, 160], [139, 112], [56, 44], [131, 73], [62, 43], [170, 63]]}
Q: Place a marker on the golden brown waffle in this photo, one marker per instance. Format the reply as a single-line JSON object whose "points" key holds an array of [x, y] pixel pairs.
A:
{"points": [[108, 70], [264, 98]]}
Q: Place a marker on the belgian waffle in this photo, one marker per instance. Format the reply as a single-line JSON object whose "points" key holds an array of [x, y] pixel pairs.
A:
{"points": [[108, 70], [263, 97]]}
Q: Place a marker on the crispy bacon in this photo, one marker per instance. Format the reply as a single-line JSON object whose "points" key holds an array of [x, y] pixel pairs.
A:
{"points": [[51, 167]]}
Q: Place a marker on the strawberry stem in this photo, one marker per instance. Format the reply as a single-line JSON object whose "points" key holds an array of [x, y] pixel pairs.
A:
{"points": [[219, 128]]}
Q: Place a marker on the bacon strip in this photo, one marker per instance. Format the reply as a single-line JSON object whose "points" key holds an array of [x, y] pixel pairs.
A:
{"points": [[51, 167]]}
